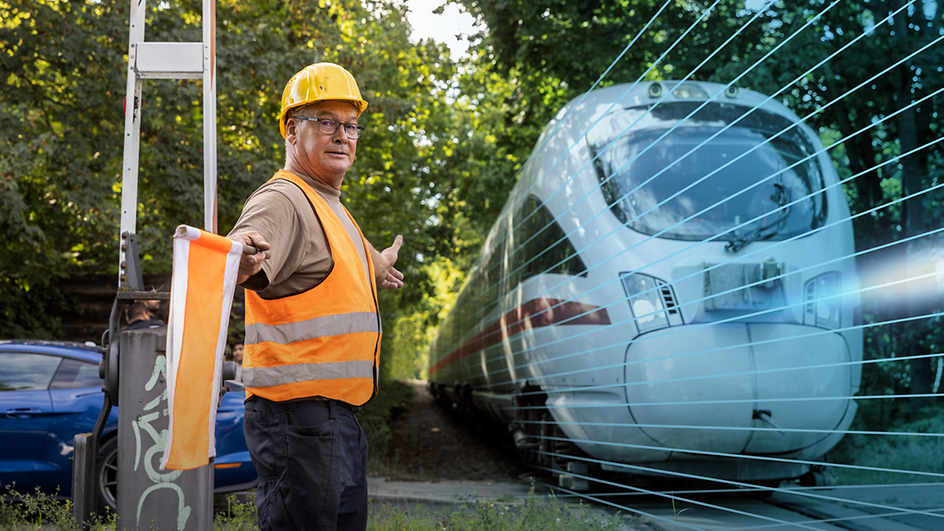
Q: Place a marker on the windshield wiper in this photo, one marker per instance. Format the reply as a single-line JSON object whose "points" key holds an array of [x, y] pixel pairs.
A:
{"points": [[782, 196]]}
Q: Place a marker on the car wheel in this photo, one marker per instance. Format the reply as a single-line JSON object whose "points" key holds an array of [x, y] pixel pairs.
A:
{"points": [[106, 476]]}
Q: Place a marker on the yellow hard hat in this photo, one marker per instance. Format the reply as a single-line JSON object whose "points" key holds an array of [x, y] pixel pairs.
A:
{"points": [[320, 82]]}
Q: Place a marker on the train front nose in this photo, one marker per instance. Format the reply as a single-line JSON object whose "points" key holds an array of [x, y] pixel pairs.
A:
{"points": [[760, 388]]}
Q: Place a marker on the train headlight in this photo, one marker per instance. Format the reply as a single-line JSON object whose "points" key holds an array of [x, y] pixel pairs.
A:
{"points": [[823, 306], [645, 300]]}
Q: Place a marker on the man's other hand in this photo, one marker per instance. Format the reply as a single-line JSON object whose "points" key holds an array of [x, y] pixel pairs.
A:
{"points": [[387, 276]]}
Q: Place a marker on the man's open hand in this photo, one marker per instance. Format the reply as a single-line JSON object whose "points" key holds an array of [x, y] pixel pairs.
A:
{"points": [[387, 276]]}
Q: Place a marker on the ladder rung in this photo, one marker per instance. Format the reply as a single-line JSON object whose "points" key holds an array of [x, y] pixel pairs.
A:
{"points": [[169, 60]]}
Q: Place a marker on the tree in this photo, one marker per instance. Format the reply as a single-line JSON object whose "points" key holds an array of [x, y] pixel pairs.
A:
{"points": [[61, 99], [57, 162]]}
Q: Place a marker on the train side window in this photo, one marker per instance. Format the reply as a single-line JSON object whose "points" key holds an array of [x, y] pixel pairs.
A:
{"points": [[519, 255], [466, 317], [475, 287], [447, 330], [541, 247], [494, 275]]}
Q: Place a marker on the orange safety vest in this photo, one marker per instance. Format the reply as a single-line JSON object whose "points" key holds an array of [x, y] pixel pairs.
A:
{"points": [[324, 341]]}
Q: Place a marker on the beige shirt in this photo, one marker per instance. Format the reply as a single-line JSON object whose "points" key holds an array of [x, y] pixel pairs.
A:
{"points": [[301, 259]]}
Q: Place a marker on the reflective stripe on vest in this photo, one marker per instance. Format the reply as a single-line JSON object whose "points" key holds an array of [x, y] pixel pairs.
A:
{"points": [[287, 374], [328, 325]]}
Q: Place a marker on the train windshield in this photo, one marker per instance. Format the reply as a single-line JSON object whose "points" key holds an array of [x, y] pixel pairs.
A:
{"points": [[735, 185]]}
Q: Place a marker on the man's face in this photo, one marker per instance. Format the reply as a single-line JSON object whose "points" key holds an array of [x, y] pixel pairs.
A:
{"points": [[323, 156], [238, 352]]}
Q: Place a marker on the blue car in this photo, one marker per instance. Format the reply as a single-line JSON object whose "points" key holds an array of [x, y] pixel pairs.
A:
{"points": [[51, 390]]}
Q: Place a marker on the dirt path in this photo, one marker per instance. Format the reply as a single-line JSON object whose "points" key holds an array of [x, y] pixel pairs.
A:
{"points": [[428, 443]]}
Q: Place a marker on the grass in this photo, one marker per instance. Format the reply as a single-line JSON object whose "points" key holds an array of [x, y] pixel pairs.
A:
{"points": [[23, 512], [531, 514]]}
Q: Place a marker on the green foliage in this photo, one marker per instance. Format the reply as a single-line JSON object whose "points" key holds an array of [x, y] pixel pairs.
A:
{"points": [[57, 162], [61, 96], [24, 308], [415, 324], [238, 515], [40, 511], [894, 452], [886, 44]]}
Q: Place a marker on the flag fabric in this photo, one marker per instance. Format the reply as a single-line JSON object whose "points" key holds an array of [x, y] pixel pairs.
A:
{"points": [[201, 296]]}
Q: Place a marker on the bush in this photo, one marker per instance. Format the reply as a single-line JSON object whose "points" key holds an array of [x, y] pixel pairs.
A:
{"points": [[894, 452], [238, 515]]}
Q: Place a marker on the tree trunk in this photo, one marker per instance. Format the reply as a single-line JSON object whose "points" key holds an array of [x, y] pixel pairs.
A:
{"points": [[912, 175], [858, 148]]}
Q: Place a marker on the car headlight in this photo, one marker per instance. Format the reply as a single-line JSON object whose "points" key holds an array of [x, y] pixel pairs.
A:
{"points": [[823, 306], [645, 300]]}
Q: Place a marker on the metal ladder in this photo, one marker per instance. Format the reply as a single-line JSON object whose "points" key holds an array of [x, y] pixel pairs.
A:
{"points": [[164, 60]]}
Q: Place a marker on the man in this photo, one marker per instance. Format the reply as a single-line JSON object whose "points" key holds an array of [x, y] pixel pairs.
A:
{"points": [[312, 322], [143, 314], [238, 358]]}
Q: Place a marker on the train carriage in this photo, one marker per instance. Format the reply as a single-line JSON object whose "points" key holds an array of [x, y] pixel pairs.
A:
{"points": [[669, 290]]}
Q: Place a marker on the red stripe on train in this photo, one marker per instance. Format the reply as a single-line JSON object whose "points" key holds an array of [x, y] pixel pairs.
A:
{"points": [[549, 312]]}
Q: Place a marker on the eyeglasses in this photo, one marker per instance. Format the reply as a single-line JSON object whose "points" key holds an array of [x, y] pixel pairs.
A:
{"points": [[329, 127]]}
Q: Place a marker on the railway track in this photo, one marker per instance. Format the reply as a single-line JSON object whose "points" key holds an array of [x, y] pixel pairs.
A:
{"points": [[871, 508]]}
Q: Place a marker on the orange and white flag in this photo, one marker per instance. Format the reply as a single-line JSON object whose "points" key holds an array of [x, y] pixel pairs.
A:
{"points": [[201, 296]]}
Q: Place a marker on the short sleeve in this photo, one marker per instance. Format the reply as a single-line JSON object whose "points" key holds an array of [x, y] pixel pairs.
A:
{"points": [[300, 258]]}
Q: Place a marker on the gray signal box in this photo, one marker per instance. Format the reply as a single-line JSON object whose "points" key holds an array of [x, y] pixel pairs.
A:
{"points": [[148, 497]]}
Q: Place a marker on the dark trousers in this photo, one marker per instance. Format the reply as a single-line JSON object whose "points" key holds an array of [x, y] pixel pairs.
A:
{"points": [[312, 462]]}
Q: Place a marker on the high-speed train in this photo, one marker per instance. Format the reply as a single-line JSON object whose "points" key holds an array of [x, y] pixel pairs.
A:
{"points": [[669, 292]]}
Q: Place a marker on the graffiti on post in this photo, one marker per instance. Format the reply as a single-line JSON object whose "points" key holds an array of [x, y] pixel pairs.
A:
{"points": [[153, 411]]}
